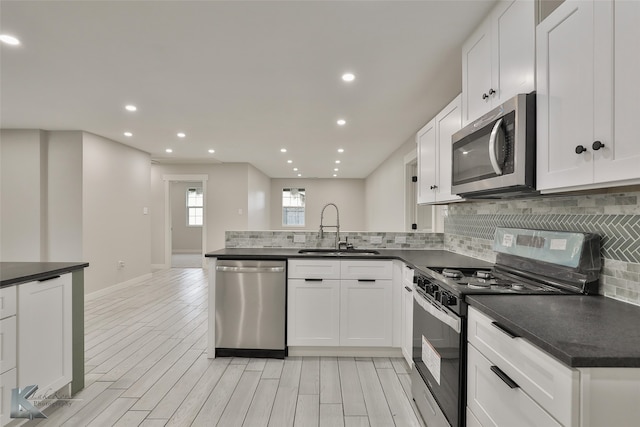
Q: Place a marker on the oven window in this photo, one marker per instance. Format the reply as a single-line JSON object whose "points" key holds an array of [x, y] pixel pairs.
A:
{"points": [[447, 344]]}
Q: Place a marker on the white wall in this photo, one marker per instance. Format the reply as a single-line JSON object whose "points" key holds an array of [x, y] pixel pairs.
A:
{"points": [[347, 194], [385, 192], [259, 200], [116, 188], [23, 204], [227, 186], [184, 239]]}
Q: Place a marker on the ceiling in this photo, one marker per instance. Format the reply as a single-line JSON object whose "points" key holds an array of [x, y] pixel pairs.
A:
{"points": [[242, 78]]}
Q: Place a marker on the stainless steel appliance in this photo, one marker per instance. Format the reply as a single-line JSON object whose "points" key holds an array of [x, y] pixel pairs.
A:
{"points": [[251, 308], [528, 262], [494, 156]]}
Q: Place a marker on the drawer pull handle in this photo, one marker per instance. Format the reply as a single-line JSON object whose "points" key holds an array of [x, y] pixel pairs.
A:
{"points": [[313, 280], [408, 289], [504, 330], [504, 377], [366, 280], [48, 278]]}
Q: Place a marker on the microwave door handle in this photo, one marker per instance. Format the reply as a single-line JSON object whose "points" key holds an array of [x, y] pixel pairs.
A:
{"points": [[492, 147]]}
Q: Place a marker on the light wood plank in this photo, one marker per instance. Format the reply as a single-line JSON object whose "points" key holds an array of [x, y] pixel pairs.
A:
{"points": [[256, 365], [284, 407], [401, 410], [405, 380], [212, 409], [310, 376], [260, 409], [273, 369], [331, 415], [382, 363], [352, 395], [330, 381], [57, 414], [307, 410], [91, 409], [131, 419], [400, 365], [356, 422], [240, 401], [113, 412], [377, 407]]}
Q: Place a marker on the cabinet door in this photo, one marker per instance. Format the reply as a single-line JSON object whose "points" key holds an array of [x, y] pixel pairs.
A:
{"points": [[426, 151], [7, 383], [313, 312], [448, 122], [365, 313], [8, 348], [513, 68], [619, 158], [476, 73], [44, 334], [565, 100], [407, 323]]}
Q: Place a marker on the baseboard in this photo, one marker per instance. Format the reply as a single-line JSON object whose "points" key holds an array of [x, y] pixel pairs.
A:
{"points": [[346, 351], [187, 251], [157, 267], [116, 287]]}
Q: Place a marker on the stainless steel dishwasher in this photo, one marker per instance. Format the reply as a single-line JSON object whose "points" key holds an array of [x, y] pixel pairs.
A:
{"points": [[251, 310]]}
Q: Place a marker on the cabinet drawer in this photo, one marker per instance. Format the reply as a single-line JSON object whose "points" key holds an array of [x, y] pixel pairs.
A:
{"points": [[366, 270], [313, 269], [495, 403], [7, 301], [8, 381], [7, 344], [551, 384]]}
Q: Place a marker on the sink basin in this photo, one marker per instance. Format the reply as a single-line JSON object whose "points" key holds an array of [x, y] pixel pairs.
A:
{"points": [[339, 252]]}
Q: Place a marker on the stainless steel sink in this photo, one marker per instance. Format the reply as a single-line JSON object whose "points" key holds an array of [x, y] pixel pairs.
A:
{"points": [[328, 251]]}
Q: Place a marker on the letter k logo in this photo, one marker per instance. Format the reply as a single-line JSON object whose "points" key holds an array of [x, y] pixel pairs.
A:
{"points": [[19, 400]]}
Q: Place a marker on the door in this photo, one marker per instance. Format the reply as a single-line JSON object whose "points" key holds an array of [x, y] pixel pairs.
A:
{"points": [[187, 220], [565, 97]]}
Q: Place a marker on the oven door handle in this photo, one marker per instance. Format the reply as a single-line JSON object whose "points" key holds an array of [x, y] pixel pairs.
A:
{"points": [[449, 319], [492, 148]]}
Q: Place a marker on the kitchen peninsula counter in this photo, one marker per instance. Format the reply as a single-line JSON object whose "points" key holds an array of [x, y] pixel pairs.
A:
{"points": [[13, 273]]}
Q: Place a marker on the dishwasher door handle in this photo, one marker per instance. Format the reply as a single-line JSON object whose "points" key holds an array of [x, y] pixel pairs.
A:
{"points": [[227, 269]]}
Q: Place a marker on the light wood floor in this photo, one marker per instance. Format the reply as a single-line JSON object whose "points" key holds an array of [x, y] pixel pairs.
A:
{"points": [[146, 365]]}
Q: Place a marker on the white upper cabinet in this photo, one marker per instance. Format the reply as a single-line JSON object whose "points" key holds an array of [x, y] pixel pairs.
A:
{"points": [[434, 155], [498, 60], [588, 97]]}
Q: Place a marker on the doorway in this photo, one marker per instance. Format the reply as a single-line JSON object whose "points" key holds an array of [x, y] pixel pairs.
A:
{"points": [[185, 220]]}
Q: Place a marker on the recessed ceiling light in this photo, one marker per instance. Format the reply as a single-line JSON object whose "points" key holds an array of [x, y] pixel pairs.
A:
{"points": [[336, 169], [341, 122], [337, 161], [130, 107], [6, 38], [169, 150], [348, 77], [181, 134], [299, 174], [335, 174], [128, 134], [295, 169], [212, 151], [283, 150], [340, 150], [289, 161]]}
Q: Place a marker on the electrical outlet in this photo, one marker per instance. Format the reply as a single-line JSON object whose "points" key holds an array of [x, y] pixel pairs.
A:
{"points": [[376, 239], [299, 238], [120, 264], [401, 239]]}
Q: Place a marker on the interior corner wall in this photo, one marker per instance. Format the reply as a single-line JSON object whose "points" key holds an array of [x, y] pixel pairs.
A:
{"points": [[347, 194], [385, 192], [226, 203], [23, 202], [116, 189], [258, 200]]}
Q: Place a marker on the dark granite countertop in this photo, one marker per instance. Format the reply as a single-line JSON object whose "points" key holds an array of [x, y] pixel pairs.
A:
{"points": [[13, 273], [578, 330], [412, 257]]}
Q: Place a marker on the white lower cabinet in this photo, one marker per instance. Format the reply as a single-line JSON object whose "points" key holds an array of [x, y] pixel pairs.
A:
{"points": [[365, 313], [511, 382], [7, 383], [44, 334], [314, 312], [353, 308]]}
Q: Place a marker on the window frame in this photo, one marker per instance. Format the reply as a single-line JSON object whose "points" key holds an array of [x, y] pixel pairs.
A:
{"points": [[189, 206], [302, 208]]}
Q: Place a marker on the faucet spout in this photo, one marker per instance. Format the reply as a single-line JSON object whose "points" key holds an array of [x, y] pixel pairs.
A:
{"points": [[337, 226]]}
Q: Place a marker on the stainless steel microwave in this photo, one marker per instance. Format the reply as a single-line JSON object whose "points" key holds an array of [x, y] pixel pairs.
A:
{"points": [[494, 156]]}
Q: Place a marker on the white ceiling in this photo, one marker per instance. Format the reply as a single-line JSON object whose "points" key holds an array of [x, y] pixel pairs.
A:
{"points": [[243, 78]]}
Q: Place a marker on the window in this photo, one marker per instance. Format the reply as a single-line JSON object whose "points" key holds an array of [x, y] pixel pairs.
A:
{"points": [[293, 200], [195, 207]]}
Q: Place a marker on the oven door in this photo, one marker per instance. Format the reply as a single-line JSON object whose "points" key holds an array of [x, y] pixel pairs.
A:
{"points": [[438, 345]]}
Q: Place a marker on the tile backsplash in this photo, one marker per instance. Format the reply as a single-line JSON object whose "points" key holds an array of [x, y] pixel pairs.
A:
{"points": [[366, 240], [469, 229]]}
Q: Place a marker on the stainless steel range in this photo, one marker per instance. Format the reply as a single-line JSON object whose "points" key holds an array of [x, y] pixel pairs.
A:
{"points": [[531, 262]]}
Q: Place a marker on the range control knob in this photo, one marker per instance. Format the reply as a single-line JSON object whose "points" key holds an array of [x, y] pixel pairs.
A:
{"points": [[436, 295], [448, 299]]}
